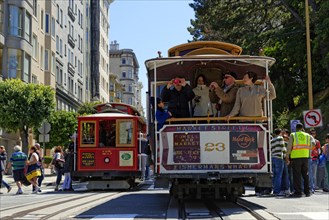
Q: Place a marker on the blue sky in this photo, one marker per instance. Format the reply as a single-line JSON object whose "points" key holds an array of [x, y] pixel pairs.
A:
{"points": [[149, 26]]}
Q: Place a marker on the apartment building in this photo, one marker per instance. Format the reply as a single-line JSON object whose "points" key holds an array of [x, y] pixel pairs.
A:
{"points": [[99, 50], [18, 56], [124, 78], [52, 42], [69, 35]]}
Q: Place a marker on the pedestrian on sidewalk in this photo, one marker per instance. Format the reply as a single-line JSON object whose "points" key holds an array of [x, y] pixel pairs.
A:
{"points": [[41, 159], [68, 169], [325, 164], [278, 151], [59, 165], [3, 159], [33, 169], [18, 161], [314, 160]]}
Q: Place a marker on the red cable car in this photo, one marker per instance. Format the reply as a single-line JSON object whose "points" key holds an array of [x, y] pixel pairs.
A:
{"points": [[109, 147]]}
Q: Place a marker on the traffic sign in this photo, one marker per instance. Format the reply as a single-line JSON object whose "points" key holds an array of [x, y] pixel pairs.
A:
{"points": [[312, 118], [45, 128], [44, 138], [293, 124]]}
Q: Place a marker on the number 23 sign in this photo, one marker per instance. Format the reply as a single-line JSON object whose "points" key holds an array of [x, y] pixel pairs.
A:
{"points": [[312, 118]]}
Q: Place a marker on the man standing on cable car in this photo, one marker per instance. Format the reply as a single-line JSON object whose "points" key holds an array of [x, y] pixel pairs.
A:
{"points": [[298, 148], [178, 97]]}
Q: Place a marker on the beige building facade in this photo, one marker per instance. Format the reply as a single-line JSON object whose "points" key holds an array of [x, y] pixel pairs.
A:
{"points": [[124, 78], [50, 42]]}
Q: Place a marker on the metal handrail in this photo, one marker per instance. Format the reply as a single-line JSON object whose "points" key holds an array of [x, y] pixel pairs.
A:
{"points": [[237, 118]]}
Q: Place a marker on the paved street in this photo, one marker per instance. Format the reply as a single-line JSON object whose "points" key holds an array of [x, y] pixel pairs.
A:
{"points": [[146, 203]]}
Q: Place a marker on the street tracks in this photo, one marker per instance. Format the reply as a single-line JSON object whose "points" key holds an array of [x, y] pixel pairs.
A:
{"points": [[58, 208], [215, 210]]}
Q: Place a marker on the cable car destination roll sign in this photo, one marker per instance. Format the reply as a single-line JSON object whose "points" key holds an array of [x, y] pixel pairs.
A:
{"points": [[88, 159], [187, 148]]}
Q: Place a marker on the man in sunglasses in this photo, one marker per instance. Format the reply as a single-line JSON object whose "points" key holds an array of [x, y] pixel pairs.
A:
{"points": [[225, 95]]}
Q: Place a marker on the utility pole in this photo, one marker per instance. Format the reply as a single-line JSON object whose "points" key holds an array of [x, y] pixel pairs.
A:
{"points": [[309, 65]]}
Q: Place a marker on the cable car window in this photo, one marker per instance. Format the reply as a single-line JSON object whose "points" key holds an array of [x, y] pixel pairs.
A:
{"points": [[125, 133], [88, 134], [107, 132]]}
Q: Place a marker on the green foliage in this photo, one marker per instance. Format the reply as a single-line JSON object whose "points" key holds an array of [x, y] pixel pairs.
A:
{"points": [[282, 120], [88, 108], [278, 27], [47, 159], [24, 106], [63, 125]]}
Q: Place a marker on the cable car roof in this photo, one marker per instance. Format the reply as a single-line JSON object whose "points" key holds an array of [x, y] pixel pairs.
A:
{"points": [[168, 68], [114, 115]]}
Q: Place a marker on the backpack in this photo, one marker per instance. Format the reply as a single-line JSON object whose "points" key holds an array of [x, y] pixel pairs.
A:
{"points": [[53, 161]]}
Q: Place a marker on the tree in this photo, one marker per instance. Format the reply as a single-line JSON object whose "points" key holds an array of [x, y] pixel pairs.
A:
{"points": [[278, 27], [63, 125], [88, 108], [24, 106]]}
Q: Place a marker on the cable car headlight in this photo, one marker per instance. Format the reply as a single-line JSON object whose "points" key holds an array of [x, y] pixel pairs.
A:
{"points": [[106, 160]]}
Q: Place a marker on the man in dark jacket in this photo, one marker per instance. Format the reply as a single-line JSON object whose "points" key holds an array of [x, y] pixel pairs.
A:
{"points": [[178, 94]]}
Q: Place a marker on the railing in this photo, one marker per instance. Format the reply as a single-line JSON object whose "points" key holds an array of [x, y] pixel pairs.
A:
{"points": [[222, 119]]}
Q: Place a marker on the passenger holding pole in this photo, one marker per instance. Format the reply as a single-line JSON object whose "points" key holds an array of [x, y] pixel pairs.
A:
{"points": [[249, 98]]}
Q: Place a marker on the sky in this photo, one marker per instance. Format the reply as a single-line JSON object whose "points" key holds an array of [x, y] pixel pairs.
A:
{"points": [[149, 26]]}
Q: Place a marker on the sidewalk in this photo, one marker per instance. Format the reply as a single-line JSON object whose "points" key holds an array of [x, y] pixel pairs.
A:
{"points": [[49, 181]]}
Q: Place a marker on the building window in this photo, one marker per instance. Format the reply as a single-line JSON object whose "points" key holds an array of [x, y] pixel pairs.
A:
{"points": [[57, 44], [61, 47], [46, 60], [124, 74], [47, 24], [71, 4], [123, 61], [41, 20], [35, 8], [28, 27], [58, 13], [130, 101], [27, 68], [35, 47], [15, 21], [14, 63], [59, 75], [34, 79], [42, 58], [1, 16], [79, 17], [130, 74], [53, 26], [70, 85], [53, 63], [61, 17], [1, 63]]}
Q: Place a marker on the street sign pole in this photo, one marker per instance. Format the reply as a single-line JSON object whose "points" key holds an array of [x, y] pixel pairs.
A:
{"points": [[44, 136]]}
